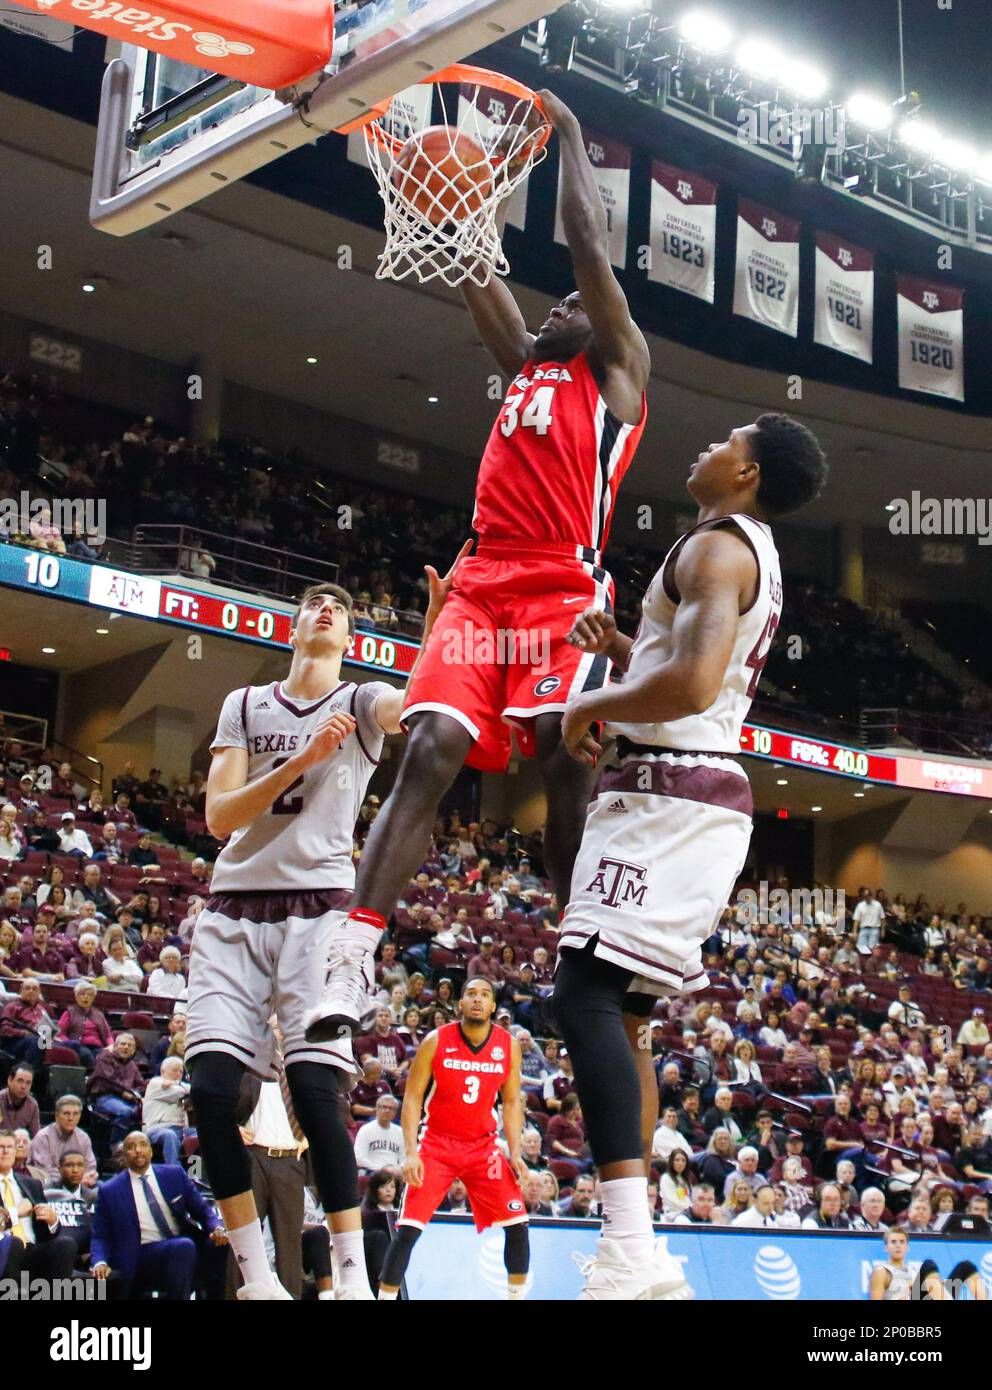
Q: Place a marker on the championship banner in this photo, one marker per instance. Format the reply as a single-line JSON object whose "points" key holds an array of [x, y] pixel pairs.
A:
{"points": [[495, 108], [845, 297], [409, 114], [931, 337], [683, 231], [766, 288], [611, 166]]}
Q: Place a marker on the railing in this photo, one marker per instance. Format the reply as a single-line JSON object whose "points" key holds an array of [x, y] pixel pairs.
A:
{"points": [[241, 564], [29, 730], [84, 765], [956, 734]]}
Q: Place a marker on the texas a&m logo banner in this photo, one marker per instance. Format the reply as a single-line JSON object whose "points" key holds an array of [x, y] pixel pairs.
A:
{"points": [[931, 337], [683, 231], [766, 288], [611, 165], [845, 297]]}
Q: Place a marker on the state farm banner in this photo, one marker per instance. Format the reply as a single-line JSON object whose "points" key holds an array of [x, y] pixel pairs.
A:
{"points": [[931, 337], [495, 109], [845, 297], [683, 231], [611, 165], [409, 114], [766, 288]]}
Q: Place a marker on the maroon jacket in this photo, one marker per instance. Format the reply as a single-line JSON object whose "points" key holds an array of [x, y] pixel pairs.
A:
{"points": [[73, 1023], [111, 1077], [20, 1021], [49, 962], [25, 1115]]}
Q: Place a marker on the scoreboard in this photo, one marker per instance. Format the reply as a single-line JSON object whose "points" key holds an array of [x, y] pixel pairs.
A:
{"points": [[160, 600], [182, 605]]}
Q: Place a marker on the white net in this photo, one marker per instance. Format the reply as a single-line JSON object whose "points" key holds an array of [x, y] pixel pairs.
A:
{"points": [[442, 186]]}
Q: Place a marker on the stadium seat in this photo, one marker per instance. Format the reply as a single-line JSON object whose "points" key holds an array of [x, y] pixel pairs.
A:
{"points": [[65, 1079]]}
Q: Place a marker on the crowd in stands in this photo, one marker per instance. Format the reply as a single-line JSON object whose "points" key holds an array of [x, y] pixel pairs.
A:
{"points": [[253, 493], [834, 1074]]}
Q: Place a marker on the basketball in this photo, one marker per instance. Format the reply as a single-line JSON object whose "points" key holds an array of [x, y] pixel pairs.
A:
{"points": [[443, 174]]}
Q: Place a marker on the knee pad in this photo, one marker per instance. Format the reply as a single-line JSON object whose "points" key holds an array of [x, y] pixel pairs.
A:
{"points": [[516, 1248], [315, 1090], [398, 1256], [215, 1092]]}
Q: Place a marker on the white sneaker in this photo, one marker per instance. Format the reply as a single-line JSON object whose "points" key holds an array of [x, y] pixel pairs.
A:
{"points": [[270, 1290], [347, 1004], [609, 1275]]}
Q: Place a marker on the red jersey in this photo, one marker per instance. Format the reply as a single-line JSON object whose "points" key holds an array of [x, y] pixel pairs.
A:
{"points": [[555, 459], [462, 1101]]}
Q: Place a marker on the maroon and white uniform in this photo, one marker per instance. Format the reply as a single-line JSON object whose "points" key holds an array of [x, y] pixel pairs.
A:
{"points": [[282, 882], [668, 828]]}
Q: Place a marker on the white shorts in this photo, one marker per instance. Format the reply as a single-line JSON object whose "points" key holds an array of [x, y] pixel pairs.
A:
{"points": [[255, 954], [665, 840]]}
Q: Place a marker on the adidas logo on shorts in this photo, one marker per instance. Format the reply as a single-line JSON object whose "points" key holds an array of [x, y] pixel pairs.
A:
{"points": [[617, 808]]}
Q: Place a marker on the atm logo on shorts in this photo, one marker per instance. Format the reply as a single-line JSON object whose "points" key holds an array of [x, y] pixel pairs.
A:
{"points": [[619, 884], [547, 686]]}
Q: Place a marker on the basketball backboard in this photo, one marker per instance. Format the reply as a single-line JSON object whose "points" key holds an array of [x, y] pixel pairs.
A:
{"points": [[169, 134]]}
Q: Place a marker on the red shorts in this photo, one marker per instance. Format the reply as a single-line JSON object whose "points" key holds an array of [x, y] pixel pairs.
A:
{"points": [[493, 1190], [499, 655]]}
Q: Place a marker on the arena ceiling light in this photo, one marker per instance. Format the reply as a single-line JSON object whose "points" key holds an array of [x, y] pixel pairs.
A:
{"points": [[761, 58], [804, 80], [89, 287], [816, 808], [956, 154], [432, 400], [869, 111], [983, 169], [311, 361], [103, 632], [920, 136], [705, 31], [48, 651]]}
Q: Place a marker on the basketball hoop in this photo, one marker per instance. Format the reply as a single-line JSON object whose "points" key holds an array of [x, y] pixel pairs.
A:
{"points": [[442, 187]]}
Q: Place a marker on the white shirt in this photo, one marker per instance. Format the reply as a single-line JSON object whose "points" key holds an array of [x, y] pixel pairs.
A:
{"points": [[269, 1123], [752, 1218], [377, 1147], [75, 840], [666, 1141], [163, 1103], [166, 985], [26, 1222], [150, 1233], [868, 914], [122, 974]]}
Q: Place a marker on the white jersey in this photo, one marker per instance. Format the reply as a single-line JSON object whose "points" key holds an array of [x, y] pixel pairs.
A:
{"points": [[717, 729], [304, 839], [900, 1286]]}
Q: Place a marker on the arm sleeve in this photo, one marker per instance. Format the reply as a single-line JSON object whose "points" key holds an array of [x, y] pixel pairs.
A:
{"points": [[231, 725], [362, 706]]}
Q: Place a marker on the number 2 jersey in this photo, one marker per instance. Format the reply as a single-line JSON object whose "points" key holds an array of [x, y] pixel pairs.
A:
{"points": [[555, 459], [304, 839], [717, 729], [461, 1103]]}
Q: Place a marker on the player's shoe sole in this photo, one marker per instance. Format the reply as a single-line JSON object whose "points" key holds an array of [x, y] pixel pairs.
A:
{"points": [[271, 1292]]}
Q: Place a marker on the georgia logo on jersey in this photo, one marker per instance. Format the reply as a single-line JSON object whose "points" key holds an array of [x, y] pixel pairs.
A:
{"points": [[497, 1054], [547, 686]]}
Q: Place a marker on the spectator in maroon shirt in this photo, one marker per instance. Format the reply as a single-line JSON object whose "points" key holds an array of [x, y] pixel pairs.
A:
{"points": [[12, 909], [18, 1107], [22, 1019], [485, 963], [542, 965], [41, 957], [873, 1127], [384, 1044], [842, 1132], [115, 1086], [149, 952], [368, 1090], [84, 1028], [793, 1149], [566, 1136], [85, 961], [121, 814]]}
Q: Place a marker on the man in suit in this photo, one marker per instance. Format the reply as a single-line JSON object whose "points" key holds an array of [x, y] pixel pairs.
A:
{"points": [[39, 1248], [150, 1226]]}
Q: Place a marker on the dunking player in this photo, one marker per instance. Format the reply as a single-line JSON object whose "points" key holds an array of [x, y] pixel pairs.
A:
{"points": [[466, 1065], [668, 828], [291, 763], [564, 439]]}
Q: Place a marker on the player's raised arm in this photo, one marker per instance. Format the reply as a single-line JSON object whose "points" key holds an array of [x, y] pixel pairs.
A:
{"points": [[497, 317], [233, 801], [389, 706], [511, 1096], [417, 1082], [619, 343], [715, 574]]}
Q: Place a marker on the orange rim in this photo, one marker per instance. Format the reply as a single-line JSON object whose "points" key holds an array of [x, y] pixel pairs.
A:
{"points": [[460, 73]]}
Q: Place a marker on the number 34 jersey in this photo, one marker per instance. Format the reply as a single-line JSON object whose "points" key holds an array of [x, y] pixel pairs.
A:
{"points": [[303, 840], [717, 729], [555, 459], [466, 1084]]}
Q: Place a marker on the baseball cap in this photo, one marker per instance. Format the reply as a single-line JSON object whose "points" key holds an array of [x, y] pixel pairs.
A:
{"points": [[794, 1134], [68, 815], [656, 1023], [26, 777], [485, 941], [503, 1013], [898, 1071], [978, 1013], [563, 1052], [527, 965]]}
